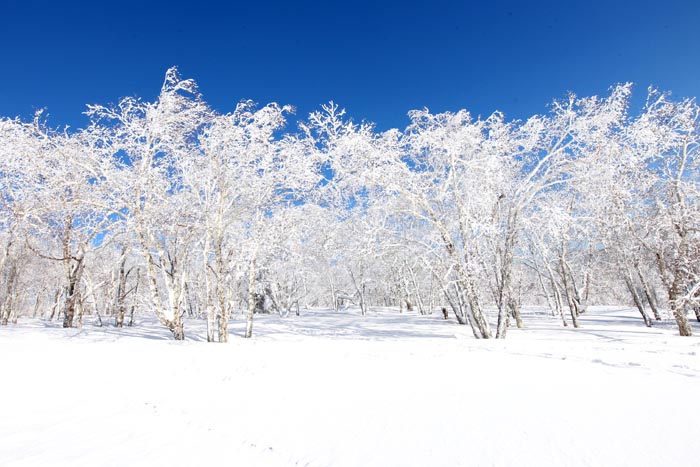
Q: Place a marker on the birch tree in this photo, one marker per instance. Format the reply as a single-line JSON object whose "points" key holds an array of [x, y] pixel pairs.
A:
{"points": [[146, 142]]}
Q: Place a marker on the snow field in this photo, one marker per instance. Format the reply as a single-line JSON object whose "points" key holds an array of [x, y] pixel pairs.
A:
{"points": [[344, 390]]}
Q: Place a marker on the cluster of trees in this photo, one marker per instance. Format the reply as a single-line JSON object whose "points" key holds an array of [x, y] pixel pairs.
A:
{"points": [[172, 208]]}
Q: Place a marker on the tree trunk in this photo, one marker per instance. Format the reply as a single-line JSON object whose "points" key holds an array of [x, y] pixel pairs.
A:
{"points": [[222, 312], [334, 296], [559, 302], [679, 313], [211, 323], [119, 319], [72, 292], [178, 330], [579, 304], [637, 300], [476, 315], [11, 290], [696, 309], [457, 306], [363, 303], [81, 310], [647, 292], [175, 324], [223, 320], [678, 309], [430, 297], [557, 293], [5, 312], [503, 296], [505, 284], [419, 296], [120, 306], [684, 328], [251, 301], [567, 290], [515, 312], [37, 305], [135, 291], [56, 304], [550, 304], [572, 310]]}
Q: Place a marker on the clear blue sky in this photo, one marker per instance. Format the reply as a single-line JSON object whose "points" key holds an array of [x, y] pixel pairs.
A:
{"points": [[378, 59]]}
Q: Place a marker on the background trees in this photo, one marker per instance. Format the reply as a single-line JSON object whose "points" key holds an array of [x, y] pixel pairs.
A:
{"points": [[171, 207]]}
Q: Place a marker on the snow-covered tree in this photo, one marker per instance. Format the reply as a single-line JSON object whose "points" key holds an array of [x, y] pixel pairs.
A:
{"points": [[147, 143]]}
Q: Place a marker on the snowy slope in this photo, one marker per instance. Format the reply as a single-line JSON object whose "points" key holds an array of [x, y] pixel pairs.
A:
{"points": [[345, 390]]}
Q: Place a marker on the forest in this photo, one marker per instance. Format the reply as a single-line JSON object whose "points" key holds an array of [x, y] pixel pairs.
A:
{"points": [[174, 210]]}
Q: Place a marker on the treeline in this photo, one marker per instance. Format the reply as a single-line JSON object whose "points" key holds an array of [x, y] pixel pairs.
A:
{"points": [[171, 208]]}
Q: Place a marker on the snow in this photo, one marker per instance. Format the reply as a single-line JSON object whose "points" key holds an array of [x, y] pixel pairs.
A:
{"points": [[345, 390]]}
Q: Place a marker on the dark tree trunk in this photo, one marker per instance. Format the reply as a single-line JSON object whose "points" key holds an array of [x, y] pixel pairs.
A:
{"points": [[72, 293], [637, 300], [121, 293], [10, 292]]}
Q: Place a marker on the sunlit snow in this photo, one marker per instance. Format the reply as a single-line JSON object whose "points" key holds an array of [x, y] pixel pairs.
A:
{"points": [[340, 389]]}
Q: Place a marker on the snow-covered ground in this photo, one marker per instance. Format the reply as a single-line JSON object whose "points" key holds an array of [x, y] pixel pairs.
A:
{"points": [[345, 390]]}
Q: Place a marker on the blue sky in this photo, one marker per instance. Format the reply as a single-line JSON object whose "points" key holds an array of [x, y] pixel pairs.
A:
{"points": [[377, 59]]}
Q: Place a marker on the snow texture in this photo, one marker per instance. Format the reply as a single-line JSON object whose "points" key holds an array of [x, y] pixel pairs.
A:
{"points": [[345, 390]]}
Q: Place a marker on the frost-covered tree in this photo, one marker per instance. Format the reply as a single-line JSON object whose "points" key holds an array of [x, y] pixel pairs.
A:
{"points": [[147, 143], [668, 134], [242, 176], [172, 207]]}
